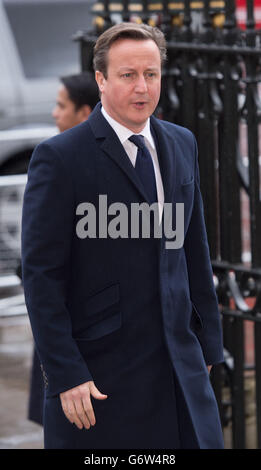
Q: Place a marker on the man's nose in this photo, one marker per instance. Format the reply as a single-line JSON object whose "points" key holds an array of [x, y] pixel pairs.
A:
{"points": [[55, 112], [141, 84]]}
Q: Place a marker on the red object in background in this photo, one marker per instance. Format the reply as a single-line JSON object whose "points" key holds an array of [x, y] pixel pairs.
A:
{"points": [[241, 13]]}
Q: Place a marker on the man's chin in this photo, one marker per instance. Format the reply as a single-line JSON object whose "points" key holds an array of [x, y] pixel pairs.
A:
{"points": [[137, 119]]}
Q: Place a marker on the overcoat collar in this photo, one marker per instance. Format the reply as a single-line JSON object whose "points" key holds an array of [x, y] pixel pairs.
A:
{"points": [[112, 146]]}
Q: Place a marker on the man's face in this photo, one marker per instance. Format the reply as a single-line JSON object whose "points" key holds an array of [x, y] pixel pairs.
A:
{"points": [[131, 91], [65, 113]]}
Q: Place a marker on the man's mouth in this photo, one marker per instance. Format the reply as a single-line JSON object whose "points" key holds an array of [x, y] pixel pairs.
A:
{"points": [[139, 104]]}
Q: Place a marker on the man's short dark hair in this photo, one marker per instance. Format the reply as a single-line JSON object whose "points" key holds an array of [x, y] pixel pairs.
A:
{"points": [[126, 30], [82, 89]]}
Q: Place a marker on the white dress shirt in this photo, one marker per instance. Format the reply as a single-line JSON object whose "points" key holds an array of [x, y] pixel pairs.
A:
{"points": [[131, 149]]}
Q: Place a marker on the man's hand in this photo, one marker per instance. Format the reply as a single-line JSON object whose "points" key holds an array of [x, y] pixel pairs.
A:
{"points": [[209, 369], [77, 405]]}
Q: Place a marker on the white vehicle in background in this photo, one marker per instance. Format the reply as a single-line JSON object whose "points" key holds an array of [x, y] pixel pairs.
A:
{"points": [[36, 48]]}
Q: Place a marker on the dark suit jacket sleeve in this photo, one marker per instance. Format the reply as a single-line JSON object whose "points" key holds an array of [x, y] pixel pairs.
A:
{"points": [[202, 291], [47, 225]]}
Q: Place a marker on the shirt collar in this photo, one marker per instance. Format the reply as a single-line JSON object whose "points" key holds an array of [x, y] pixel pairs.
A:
{"points": [[124, 133]]}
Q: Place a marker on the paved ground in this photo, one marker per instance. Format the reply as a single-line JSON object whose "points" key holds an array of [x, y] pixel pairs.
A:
{"points": [[16, 431]]}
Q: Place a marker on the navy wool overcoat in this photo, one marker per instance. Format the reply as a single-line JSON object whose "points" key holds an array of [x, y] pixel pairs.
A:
{"points": [[138, 319]]}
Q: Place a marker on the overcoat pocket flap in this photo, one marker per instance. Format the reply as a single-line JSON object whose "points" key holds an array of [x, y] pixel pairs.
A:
{"points": [[188, 182], [101, 314], [102, 300]]}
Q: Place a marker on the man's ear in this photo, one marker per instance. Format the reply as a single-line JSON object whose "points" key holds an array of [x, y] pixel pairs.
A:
{"points": [[100, 79], [84, 112]]}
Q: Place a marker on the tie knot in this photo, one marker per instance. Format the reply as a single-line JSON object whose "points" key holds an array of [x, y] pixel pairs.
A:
{"points": [[138, 140]]}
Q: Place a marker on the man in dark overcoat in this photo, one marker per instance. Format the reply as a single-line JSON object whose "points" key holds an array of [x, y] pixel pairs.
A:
{"points": [[121, 301]]}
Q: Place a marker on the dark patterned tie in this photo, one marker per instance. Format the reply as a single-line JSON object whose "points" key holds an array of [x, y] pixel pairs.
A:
{"points": [[144, 168]]}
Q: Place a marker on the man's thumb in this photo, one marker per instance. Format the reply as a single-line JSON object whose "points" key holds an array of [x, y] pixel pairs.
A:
{"points": [[96, 393]]}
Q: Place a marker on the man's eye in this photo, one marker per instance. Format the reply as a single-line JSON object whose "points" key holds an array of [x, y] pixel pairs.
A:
{"points": [[127, 75]]}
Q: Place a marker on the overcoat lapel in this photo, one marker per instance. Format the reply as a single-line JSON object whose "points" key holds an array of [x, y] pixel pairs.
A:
{"points": [[167, 157], [112, 146]]}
